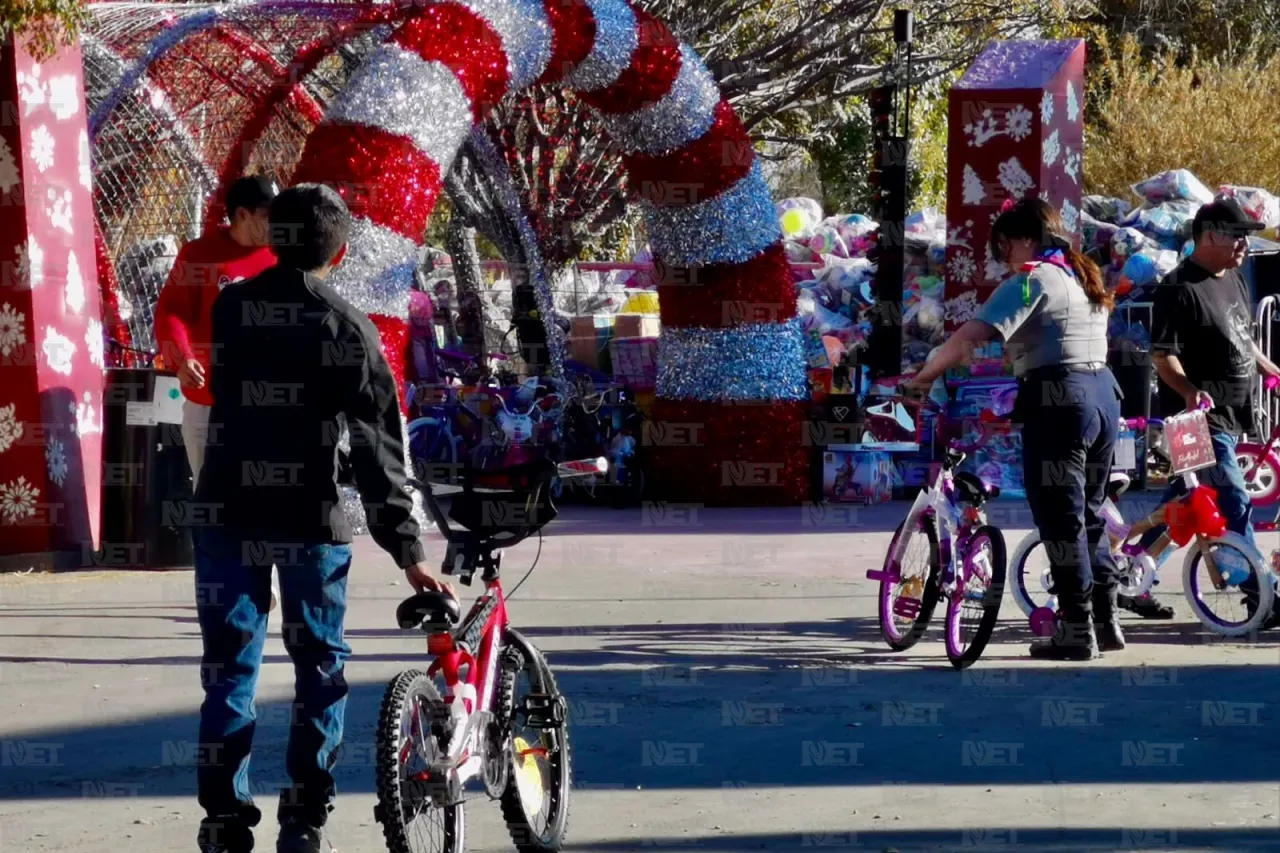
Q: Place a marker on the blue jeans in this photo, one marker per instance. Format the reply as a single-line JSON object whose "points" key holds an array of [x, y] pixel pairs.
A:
{"points": [[233, 593], [1227, 479]]}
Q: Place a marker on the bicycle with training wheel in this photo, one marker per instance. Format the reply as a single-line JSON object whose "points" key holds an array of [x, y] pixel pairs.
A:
{"points": [[945, 548], [1260, 463], [488, 707], [1220, 568]]}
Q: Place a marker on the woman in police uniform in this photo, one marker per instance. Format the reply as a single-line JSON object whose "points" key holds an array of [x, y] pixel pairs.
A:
{"points": [[1052, 317]]}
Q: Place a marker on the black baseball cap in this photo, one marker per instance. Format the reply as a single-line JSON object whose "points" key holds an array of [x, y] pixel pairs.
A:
{"points": [[251, 192], [1224, 215]]}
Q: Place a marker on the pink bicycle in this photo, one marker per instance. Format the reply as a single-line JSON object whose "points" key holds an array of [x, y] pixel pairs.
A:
{"points": [[946, 548], [1260, 464]]}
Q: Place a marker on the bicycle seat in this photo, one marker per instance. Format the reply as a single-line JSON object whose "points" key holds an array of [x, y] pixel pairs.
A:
{"points": [[1117, 484], [974, 490], [432, 608]]}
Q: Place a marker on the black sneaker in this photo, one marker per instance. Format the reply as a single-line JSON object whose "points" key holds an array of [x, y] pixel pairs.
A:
{"points": [[298, 836], [1146, 606], [224, 834]]}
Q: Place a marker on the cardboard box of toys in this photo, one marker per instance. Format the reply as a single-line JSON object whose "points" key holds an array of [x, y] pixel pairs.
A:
{"points": [[998, 459], [589, 338], [635, 362], [856, 476]]}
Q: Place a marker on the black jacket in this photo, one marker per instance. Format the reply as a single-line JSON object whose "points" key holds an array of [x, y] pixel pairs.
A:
{"points": [[292, 362]]}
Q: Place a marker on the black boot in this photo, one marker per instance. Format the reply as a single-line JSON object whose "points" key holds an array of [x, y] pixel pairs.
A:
{"points": [[225, 834], [1147, 606], [1106, 619], [297, 835], [1074, 638]]}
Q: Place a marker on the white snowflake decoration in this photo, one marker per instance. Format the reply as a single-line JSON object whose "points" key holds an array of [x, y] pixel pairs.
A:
{"points": [[64, 99], [961, 267], [1073, 106], [9, 177], [95, 343], [86, 422], [12, 329], [1072, 165], [86, 162], [1014, 178], [1050, 149], [984, 130], [75, 285], [56, 457], [962, 308], [58, 351], [59, 209], [10, 427], [960, 236], [42, 148], [17, 500], [30, 262], [1018, 122], [1070, 216], [158, 99], [31, 90], [995, 270], [1046, 109], [974, 192]]}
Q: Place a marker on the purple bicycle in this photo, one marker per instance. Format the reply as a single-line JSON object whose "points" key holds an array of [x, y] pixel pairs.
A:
{"points": [[946, 548]]}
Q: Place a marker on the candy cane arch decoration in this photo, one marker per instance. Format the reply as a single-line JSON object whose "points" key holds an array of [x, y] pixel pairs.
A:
{"points": [[731, 384]]}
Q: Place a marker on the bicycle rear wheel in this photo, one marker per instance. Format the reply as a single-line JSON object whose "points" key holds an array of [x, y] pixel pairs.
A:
{"points": [[972, 610], [909, 593], [1030, 573]]}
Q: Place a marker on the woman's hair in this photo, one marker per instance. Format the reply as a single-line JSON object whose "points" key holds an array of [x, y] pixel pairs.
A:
{"points": [[1034, 219]]}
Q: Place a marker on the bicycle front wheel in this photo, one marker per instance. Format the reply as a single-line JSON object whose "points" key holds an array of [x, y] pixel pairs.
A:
{"points": [[1244, 601], [974, 607], [909, 593]]}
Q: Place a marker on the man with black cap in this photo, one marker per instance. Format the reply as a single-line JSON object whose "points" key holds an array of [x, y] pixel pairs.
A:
{"points": [[1204, 350], [202, 269]]}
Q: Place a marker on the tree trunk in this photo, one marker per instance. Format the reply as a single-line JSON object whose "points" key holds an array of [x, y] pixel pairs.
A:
{"points": [[460, 243]]}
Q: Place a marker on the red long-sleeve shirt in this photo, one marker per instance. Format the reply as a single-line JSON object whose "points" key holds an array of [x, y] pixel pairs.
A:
{"points": [[183, 315]]}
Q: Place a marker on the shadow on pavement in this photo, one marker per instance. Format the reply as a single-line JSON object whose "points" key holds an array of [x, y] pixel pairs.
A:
{"points": [[1033, 841]]}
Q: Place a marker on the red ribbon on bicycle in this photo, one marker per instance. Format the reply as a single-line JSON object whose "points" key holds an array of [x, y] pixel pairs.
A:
{"points": [[1196, 514]]}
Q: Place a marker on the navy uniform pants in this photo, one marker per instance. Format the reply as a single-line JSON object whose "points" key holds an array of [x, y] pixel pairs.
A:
{"points": [[1069, 423]]}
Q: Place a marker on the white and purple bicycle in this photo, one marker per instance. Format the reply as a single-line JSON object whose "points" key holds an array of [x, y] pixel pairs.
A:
{"points": [[945, 548]]}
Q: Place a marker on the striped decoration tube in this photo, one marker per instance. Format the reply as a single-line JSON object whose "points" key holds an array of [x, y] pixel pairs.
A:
{"points": [[730, 358]]}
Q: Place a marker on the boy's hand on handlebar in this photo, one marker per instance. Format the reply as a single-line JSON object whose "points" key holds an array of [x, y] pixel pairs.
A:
{"points": [[422, 580]]}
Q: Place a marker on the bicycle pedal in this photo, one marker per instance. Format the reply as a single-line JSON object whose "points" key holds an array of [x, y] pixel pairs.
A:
{"points": [[544, 711]]}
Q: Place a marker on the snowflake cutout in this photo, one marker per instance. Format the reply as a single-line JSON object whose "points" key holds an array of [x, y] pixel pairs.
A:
{"points": [[9, 177], [10, 427], [1014, 178], [1073, 106], [1018, 122], [1046, 108], [959, 237], [1070, 216], [974, 191], [12, 331], [59, 209], [1072, 165], [58, 351], [31, 89], [95, 343], [1050, 149], [64, 97], [85, 421], [42, 148], [17, 500], [995, 270], [55, 455], [962, 308], [961, 267], [75, 285], [983, 131], [86, 162], [30, 262]]}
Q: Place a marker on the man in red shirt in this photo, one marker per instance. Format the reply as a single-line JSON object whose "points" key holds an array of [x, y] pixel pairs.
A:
{"points": [[183, 315]]}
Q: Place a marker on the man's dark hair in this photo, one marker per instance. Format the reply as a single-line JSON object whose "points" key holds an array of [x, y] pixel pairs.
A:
{"points": [[309, 224], [251, 192]]}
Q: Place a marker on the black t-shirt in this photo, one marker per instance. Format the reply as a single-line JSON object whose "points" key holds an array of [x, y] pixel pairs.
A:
{"points": [[1204, 320]]}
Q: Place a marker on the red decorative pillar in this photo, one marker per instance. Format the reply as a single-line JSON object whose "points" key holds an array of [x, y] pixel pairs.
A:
{"points": [[51, 342], [1016, 129]]}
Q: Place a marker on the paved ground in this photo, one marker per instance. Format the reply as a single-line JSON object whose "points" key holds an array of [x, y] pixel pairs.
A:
{"points": [[730, 693]]}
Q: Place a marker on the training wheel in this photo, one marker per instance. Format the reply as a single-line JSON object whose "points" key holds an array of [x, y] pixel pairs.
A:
{"points": [[1043, 622]]}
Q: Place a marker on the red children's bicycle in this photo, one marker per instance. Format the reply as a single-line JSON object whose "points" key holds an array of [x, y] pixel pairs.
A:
{"points": [[488, 707]]}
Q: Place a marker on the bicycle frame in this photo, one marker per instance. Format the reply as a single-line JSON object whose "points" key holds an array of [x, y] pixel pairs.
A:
{"points": [[956, 521]]}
